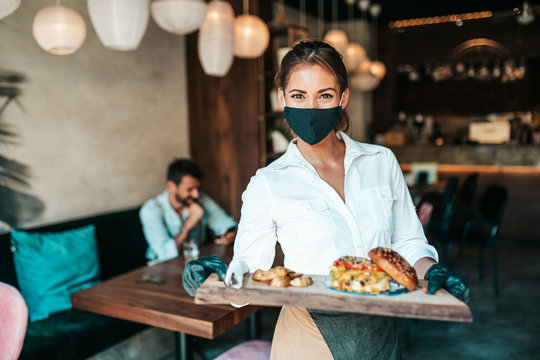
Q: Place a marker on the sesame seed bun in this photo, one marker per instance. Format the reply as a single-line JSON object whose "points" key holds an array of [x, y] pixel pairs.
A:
{"points": [[395, 266]]}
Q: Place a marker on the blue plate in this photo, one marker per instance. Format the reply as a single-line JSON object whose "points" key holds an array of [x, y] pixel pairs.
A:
{"points": [[395, 289]]}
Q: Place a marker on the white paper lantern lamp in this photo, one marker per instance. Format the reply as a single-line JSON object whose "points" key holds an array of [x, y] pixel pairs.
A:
{"points": [[119, 24], [7, 7], [179, 17], [251, 37], [59, 30], [338, 39], [354, 55], [378, 69], [363, 79], [216, 39]]}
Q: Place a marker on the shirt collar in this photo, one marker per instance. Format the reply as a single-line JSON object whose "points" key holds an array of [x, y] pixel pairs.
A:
{"points": [[293, 156]]}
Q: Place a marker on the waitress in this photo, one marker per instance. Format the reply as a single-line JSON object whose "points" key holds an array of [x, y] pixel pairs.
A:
{"points": [[326, 197]]}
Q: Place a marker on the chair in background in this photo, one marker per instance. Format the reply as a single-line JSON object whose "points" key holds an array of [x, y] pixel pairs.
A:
{"points": [[424, 213], [249, 350], [466, 192], [481, 229], [13, 321], [440, 218]]}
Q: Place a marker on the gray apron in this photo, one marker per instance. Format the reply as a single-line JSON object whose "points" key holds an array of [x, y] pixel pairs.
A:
{"points": [[352, 336]]}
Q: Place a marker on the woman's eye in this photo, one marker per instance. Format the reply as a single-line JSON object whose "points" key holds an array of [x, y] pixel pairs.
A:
{"points": [[326, 96], [297, 96]]}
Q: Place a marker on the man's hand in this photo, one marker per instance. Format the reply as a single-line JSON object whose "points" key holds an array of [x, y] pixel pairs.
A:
{"points": [[439, 276], [227, 238], [196, 212]]}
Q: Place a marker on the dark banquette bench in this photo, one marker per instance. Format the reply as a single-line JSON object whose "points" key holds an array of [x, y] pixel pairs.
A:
{"points": [[75, 334]]}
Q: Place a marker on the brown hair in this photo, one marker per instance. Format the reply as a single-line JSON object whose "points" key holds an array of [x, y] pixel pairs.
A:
{"points": [[315, 52]]}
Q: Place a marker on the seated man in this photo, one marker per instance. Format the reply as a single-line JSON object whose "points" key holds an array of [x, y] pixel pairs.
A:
{"points": [[181, 212]]}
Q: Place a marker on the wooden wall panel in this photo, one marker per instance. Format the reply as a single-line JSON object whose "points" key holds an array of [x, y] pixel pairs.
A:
{"points": [[223, 123]]}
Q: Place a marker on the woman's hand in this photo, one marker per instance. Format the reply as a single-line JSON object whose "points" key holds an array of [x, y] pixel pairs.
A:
{"points": [[235, 273], [196, 271], [440, 276]]}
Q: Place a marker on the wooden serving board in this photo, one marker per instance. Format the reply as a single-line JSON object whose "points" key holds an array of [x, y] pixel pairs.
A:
{"points": [[416, 304]]}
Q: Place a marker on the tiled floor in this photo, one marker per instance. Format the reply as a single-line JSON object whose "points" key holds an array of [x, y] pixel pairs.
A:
{"points": [[504, 328]]}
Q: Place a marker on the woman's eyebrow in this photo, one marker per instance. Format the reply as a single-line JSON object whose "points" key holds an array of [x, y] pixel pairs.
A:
{"points": [[297, 90], [327, 89]]}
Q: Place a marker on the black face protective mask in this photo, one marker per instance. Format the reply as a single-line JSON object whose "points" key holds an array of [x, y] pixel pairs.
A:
{"points": [[312, 125]]}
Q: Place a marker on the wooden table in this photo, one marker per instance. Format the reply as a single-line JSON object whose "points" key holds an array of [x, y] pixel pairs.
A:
{"points": [[165, 305]]}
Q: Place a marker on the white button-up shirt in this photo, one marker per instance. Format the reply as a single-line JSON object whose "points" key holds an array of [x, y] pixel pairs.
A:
{"points": [[288, 202]]}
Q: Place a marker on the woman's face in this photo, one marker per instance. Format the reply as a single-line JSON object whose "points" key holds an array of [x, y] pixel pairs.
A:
{"points": [[313, 87]]}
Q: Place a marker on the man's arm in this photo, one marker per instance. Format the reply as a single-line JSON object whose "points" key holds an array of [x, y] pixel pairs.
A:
{"points": [[196, 212], [219, 222], [159, 241]]}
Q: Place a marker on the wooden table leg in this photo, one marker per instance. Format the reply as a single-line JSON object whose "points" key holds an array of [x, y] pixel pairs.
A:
{"points": [[184, 346]]}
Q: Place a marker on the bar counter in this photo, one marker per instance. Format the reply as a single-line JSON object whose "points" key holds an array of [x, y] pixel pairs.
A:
{"points": [[488, 156]]}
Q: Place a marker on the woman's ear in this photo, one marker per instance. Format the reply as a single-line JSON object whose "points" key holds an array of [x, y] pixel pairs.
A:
{"points": [[345, 98], [280, 97]]}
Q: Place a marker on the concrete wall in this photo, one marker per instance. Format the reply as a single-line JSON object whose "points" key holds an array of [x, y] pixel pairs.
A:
{"points": [[98, 127]]}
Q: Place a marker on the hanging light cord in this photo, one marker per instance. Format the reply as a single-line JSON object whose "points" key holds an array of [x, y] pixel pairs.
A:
{"points": [[320, 10], [334, 14], [246, 7]]}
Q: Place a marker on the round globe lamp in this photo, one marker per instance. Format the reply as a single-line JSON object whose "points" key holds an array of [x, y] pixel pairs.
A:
{"points": [[354, 55], [338, 39], [364, 81], [7, 7], [59, 30], [251, 37], [378, 69]]}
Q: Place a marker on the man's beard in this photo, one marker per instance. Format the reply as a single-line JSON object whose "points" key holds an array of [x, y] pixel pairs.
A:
{"points": [[186, 201]]}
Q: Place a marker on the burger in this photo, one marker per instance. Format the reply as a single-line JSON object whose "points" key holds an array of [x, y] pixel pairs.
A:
{"points": [[357, 274], [372, 276]]}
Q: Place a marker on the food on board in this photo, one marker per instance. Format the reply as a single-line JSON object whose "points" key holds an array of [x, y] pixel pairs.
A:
{"points": [[357, 274], [280, 276], [395, 266]]}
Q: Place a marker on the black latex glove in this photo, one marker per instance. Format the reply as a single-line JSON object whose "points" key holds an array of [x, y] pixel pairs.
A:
{"points": [[196, 271], [440, 277]]}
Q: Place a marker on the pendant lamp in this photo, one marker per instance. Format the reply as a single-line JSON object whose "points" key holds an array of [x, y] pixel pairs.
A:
{"points": [[338, 39], [251, 35], [216, 39], [378, 69], [364, 81], [7, 7], [354, 55], [119, 24], [59, 30], [354, 52], [179, 17], [335, 37]]}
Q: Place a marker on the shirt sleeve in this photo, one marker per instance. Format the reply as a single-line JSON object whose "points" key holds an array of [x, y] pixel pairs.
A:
{"points": [[217, 218], [408, 237], [161, 244], [256, 238]]}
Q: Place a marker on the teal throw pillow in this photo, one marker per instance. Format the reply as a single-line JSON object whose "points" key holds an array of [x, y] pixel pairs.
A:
{"points": [[50, 266]]}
